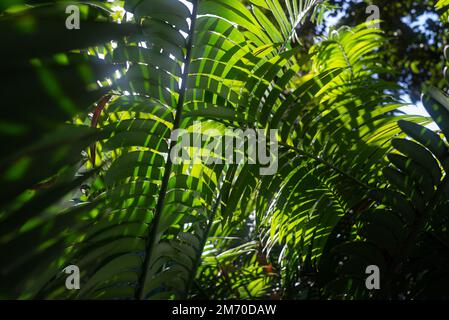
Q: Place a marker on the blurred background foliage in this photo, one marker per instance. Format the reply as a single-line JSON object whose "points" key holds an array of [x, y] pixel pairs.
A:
{"points": [[414, 32]]}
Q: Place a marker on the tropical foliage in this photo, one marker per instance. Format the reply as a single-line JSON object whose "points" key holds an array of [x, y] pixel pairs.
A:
{"points": [[86, 129], [414, 38]]}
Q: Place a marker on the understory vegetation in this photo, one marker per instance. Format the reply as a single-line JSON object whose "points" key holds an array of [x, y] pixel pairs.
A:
{"points": [[86, 123]]}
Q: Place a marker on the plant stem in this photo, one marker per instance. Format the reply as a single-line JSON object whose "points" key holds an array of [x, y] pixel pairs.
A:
{"points": [[152, 230]]}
